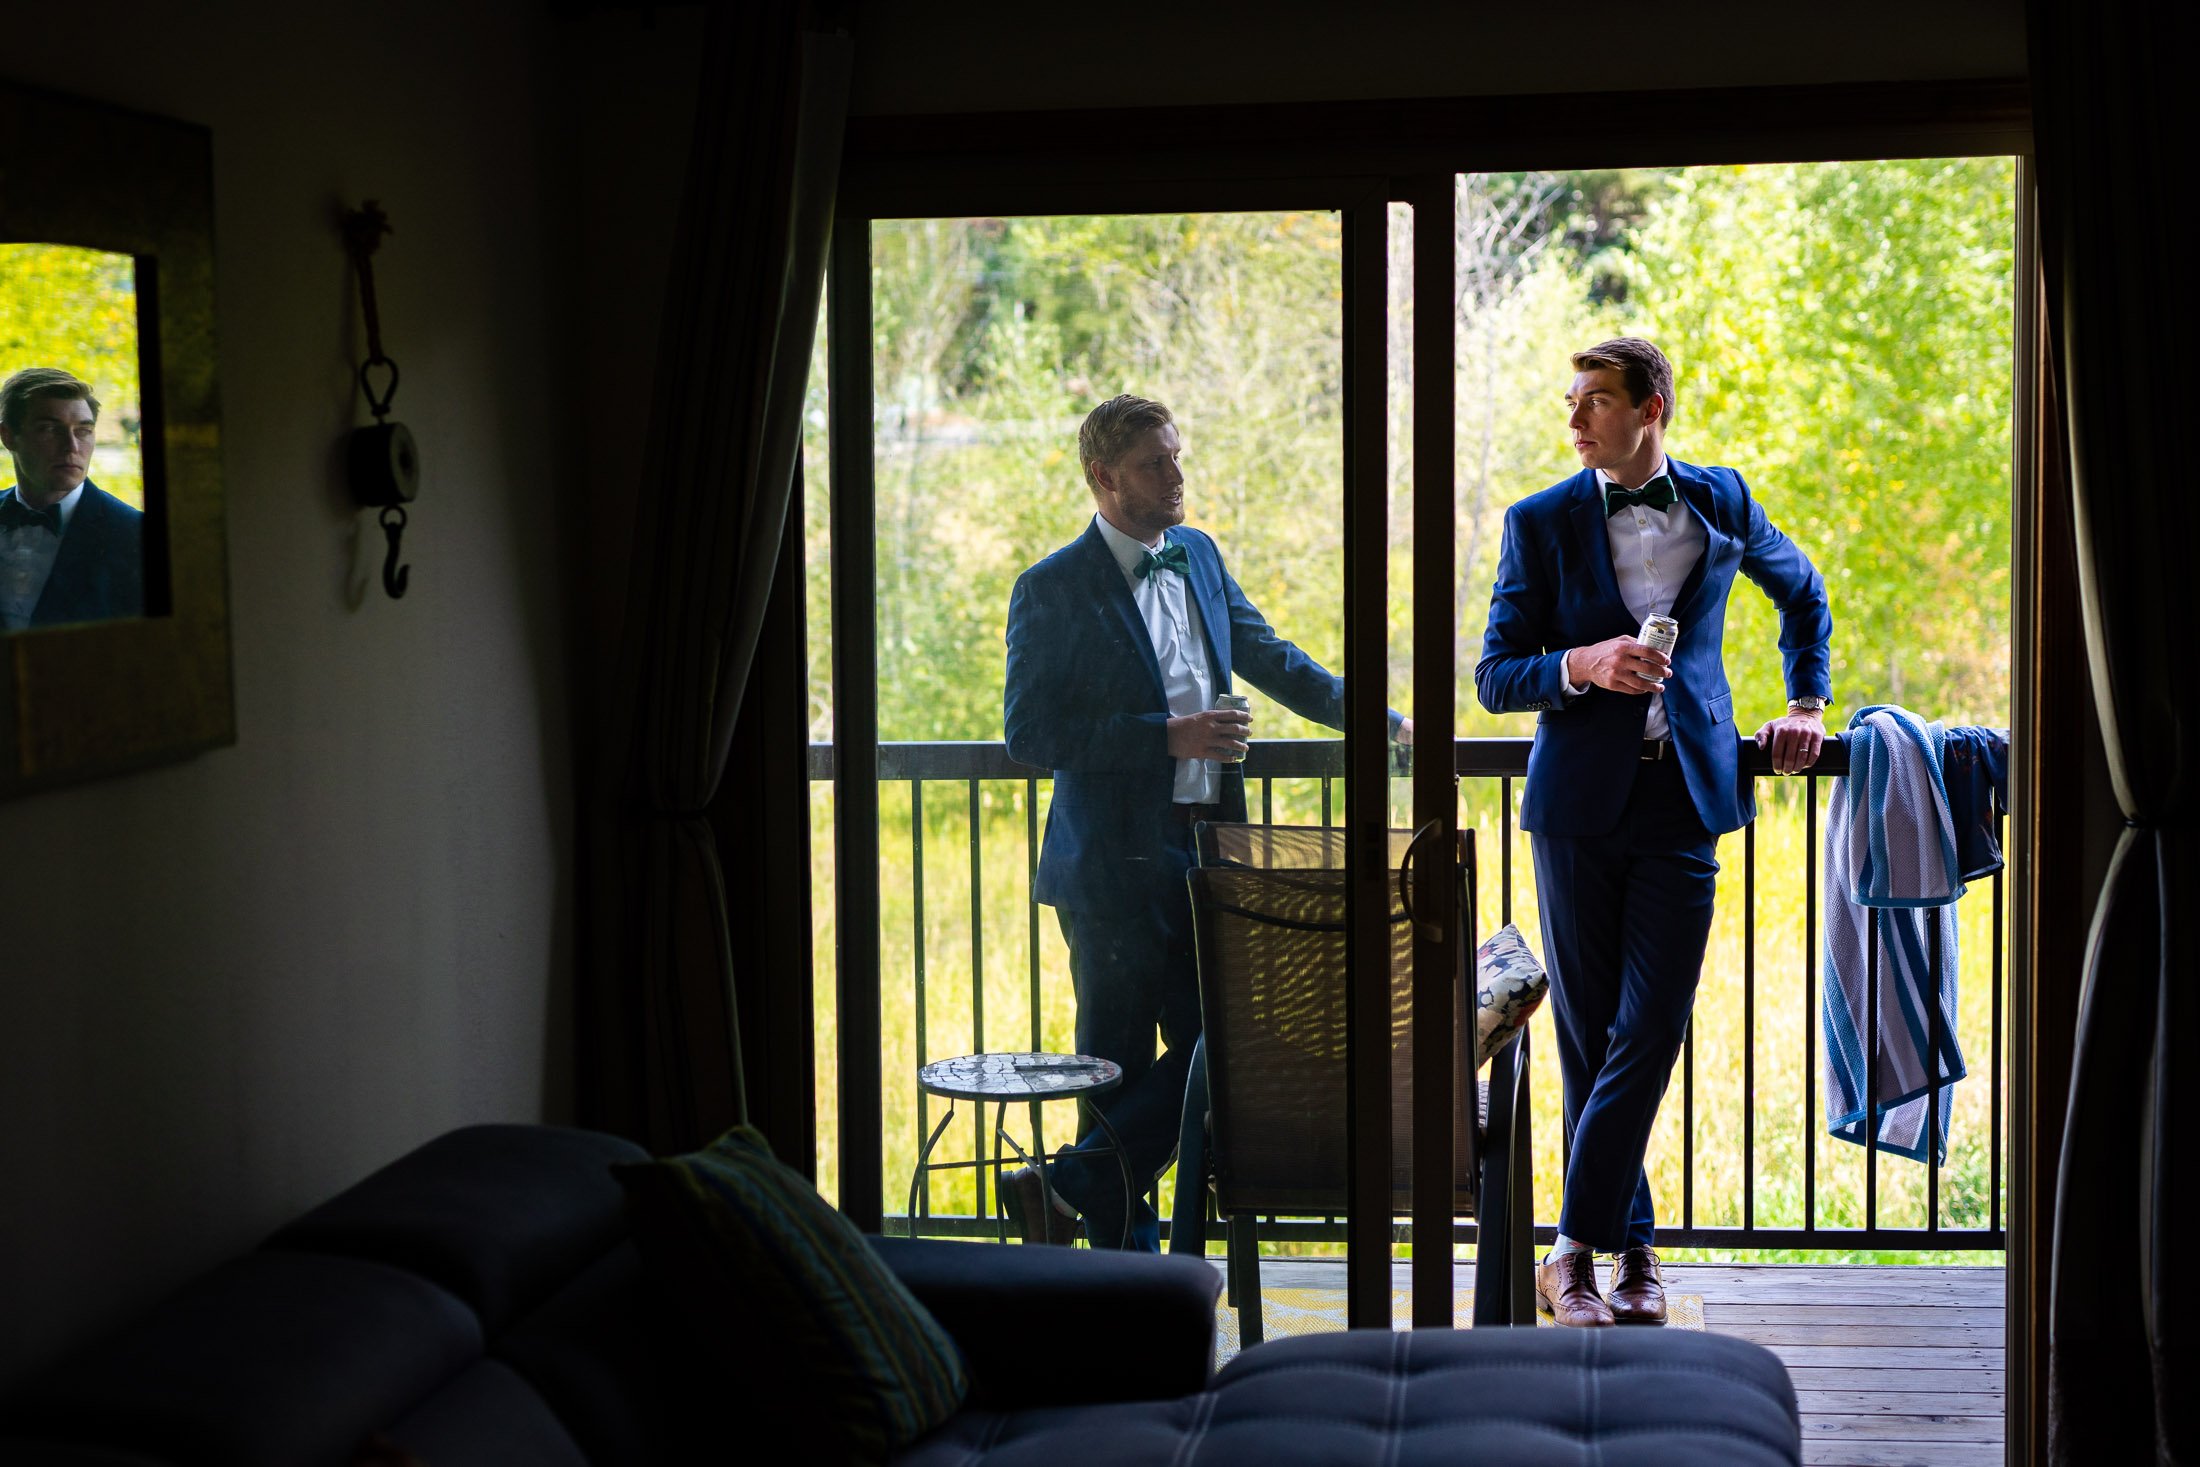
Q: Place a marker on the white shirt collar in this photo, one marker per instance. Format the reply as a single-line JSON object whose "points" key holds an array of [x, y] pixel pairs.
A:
{"points": [[1128, 552]]}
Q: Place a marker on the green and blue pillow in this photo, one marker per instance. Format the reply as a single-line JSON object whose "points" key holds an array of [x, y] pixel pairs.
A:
{"points": [[792, 1297]]}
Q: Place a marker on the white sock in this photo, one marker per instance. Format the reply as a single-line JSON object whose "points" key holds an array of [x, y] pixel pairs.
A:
{"points": [[1564, 1246]]}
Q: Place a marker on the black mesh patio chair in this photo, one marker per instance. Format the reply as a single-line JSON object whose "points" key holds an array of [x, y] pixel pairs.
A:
{"points": [[1268, 906]]}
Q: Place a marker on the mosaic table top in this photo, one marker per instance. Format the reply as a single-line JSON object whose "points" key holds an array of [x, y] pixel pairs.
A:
{"points": [[1028, 1076]]}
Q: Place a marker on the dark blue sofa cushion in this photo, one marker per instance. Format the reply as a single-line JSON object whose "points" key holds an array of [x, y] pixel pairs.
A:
{"points": [[489, 1417], [273, 1360], [502, 1216], [1522, 1397], [624, 1369], [1117, 1326]]}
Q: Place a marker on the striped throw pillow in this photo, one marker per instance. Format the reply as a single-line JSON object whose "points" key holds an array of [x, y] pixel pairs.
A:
{"points": [[792, 1296]]}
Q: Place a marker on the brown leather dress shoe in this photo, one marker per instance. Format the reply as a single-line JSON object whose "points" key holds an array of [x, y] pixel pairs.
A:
{"points": [[1638, 1289], [1025, 1198], [1566, 1290]]}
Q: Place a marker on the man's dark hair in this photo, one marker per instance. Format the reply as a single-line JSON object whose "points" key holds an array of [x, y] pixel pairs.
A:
{"points": [[27, 386], [1110, 429], [1641, 367]]}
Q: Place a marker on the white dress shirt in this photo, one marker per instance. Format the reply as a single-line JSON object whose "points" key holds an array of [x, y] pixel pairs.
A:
{"points": [[1653, 550], [1171, 614], [26, 559]]}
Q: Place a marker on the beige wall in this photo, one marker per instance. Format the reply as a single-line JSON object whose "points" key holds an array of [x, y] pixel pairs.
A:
{"points": [[231, 986]]}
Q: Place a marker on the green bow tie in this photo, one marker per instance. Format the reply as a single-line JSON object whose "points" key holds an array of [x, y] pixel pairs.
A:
{"points": [[1171, 557], [1658, 494]]}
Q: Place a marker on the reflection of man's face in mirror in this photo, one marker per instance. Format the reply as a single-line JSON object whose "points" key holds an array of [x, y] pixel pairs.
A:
{"points": [[69, 550], [52, 447]]}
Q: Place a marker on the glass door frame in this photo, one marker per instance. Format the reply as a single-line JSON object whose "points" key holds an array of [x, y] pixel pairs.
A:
{"points": [[1363, 203]]}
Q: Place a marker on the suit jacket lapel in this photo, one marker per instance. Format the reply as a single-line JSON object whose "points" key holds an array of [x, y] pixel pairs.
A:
{"points": [[1206, 591], [1696, 493], [1587, 514], [1110, 591]]}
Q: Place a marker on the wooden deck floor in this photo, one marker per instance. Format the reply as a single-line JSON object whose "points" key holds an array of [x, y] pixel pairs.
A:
{"points": [[1891, 1365]]}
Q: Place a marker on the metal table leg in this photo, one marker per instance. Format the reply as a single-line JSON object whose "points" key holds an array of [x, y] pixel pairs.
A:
{"points": [[916, 1178], [1000, 1202]]}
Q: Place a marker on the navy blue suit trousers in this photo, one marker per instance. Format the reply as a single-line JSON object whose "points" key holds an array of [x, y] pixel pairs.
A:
{"points": [[1626, 917], [1128, 968]]}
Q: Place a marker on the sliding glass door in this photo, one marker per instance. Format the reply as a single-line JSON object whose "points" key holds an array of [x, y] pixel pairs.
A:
{"points": [[1026, 761]]}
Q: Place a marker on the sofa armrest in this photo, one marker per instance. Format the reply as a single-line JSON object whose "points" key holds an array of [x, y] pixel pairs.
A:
{"points": [[1059, 1326]]}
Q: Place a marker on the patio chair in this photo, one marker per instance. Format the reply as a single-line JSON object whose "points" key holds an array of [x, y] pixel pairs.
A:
{"points": [[1268, 905]]}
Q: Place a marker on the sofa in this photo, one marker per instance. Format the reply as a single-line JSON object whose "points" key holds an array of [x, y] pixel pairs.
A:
{"points": [[480, 1301]]}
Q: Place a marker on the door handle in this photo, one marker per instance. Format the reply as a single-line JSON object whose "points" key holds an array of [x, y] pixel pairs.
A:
{"points": [[1426, 931]]}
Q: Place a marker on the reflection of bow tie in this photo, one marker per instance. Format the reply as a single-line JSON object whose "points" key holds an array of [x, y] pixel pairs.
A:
{"points": [[1170, 557], [14, 512], [1657, 494]]}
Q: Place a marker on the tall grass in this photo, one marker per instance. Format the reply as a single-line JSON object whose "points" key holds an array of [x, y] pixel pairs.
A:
{"points": [[1748, 1054]]}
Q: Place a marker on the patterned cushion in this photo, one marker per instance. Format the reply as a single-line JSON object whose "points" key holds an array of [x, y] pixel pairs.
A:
{"points": [[806, 1315], [1508, 987]]}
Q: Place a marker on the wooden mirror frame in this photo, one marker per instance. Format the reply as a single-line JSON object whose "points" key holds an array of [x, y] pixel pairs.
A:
{"points": [[78, 702]]}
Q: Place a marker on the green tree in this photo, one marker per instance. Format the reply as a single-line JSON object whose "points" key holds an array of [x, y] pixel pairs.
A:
{"points": [[1527, 297], [1843, 335], [992, 339]]}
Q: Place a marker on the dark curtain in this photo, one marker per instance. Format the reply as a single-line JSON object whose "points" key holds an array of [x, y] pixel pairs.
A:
{"points": [[661, 1047], [767, 788], [2108, 109]]}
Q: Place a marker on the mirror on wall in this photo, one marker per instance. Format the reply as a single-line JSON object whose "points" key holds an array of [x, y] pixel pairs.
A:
{"points": [[114, 593]]}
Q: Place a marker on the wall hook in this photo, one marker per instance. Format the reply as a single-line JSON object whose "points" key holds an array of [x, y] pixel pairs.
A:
{"points": [[394, 575]]}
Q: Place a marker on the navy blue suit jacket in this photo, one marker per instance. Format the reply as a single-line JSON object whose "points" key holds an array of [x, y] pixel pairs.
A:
{"points": [[1085, 699], [1556, 590], [99, 571]]}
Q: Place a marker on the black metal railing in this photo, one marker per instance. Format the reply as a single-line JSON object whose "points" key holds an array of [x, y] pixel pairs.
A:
{"points": [[974, 764]]}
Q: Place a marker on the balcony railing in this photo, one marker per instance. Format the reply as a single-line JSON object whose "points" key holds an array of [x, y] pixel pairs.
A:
{"points": [[971, 766]]}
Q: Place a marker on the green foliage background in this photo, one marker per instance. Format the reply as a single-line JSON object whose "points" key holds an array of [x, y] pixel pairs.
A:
{"points": [[76, 309], [1842, 335]]}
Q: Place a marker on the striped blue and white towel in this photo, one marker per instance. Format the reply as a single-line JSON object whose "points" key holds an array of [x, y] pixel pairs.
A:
{"points": [[1892, 881]]}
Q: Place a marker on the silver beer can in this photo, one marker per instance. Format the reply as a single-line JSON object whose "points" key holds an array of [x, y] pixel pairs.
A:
{"points": [[1659, 633], [1236, 703]]}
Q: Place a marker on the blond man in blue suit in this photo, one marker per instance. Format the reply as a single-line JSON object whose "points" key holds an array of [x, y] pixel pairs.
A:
{"points": [[1117, 645], [1634, 775]]}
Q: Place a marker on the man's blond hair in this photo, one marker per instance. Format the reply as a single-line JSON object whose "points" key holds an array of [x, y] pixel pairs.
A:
{"points": [[1110, 430]]}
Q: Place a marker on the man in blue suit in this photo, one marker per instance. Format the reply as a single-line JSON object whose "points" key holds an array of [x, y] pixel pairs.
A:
{"points": [[1634, 775], [69, 551], [1117, 645]]}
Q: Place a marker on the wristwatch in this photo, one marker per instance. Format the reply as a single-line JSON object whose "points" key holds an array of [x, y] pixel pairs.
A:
{"points": [[1807, 703]]}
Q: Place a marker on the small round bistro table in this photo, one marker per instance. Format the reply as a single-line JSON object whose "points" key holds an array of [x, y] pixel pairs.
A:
{"points": [[1006, 1078]]}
